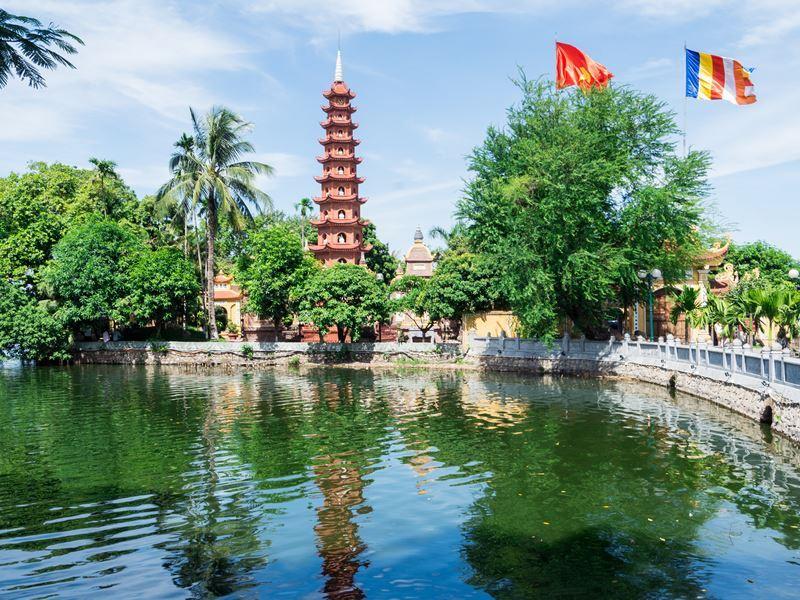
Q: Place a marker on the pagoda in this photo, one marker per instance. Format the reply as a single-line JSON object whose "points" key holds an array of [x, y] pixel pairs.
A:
{"points": [[339, 224]]}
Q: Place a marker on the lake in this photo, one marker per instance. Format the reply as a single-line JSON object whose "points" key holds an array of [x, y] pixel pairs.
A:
{"points": [[131, 482]]}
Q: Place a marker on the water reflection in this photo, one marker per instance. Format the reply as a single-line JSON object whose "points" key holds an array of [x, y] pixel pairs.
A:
{"points": [[352, 484]]}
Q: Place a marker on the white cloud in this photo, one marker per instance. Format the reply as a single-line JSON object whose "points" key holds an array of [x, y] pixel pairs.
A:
{"points": [[326, 19], [651, 68], [684, 10], [286, 166], [142, 53], [434, 134]]}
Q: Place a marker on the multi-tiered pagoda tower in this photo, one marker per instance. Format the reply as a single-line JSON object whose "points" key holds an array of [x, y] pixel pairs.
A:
{"points": [[339, 226]]}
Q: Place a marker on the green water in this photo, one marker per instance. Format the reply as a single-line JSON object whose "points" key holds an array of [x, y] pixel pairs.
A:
{"points": [[128, 483]]}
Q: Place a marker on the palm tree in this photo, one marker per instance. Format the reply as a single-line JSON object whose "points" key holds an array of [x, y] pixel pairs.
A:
{"points": [[789, 316], [305, 207], [765, 303], [726, 314], [688, 303], [219, 182], [25, 47]]}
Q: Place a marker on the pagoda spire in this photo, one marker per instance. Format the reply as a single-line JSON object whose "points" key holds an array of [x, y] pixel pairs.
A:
{"points": [[340, 236], [337, 75]]}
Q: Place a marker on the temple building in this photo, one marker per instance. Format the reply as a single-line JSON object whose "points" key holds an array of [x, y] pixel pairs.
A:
{"points": [[419, 260], [339, 224]]}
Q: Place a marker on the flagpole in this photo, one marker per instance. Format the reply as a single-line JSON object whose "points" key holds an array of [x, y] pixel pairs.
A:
{"points": [[555, 55], [685, 99]]}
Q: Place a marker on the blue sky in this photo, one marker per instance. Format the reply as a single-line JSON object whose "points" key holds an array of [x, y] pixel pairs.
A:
{"points": [[430, 77]]}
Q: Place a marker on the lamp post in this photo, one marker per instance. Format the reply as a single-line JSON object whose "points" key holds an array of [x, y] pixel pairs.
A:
{"points": [[649, 277]]}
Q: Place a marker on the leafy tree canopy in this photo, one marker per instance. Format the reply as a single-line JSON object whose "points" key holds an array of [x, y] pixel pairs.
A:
{"points": [[162, 285], [772, 262], [36, 208], [577, 193], [29, 329], [271, 268], [89, 273], [344, 296], [463, 282], [411, 296]]}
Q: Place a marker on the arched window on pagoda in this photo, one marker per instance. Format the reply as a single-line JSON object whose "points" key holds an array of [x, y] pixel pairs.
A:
{"points": [[341, 214], [341, 260], [340, 170], [340, 150], [341, 191], [324, 236], [341, 238], [341, 132]]}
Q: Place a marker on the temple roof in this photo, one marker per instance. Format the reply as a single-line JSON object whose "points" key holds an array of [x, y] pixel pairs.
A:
{"points": [[337, 177], [715, 254], [333, 198], [419, 252]]}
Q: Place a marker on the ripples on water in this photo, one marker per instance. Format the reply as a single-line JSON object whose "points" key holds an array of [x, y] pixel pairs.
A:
{"points": [[347, 484]]}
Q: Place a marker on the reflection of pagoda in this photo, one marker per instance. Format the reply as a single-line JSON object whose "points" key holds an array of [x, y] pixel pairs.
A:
{"points": [[339, 225]]}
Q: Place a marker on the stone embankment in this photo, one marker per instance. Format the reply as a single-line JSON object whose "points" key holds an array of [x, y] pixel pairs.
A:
{"points": [[262, 354], [764, 386]]}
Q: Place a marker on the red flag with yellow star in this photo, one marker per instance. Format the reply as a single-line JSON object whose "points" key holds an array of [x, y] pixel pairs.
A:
{"points": [[574, 67]]}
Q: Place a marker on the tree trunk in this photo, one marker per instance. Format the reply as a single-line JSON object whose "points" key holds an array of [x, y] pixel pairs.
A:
{"points": [[342, 333], [211, 235]]}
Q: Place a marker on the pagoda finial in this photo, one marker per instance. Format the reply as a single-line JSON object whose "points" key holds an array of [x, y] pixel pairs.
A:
{"points": [[337, 76]]}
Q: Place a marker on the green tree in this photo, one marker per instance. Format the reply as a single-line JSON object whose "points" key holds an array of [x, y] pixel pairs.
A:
{"points": [[574, 195], [162, 287], [89, 272], [687, 303], [462, 283], [26, 47], [379, 259], [219, 182], [29, 328], [772, 263], [726, 314], [411, 298], [103, 176], [272, 268], [345, 297], [766, 303]]}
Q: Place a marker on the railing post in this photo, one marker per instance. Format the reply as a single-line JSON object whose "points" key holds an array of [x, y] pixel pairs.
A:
{"points": [[583, 342], [565, 343], [737, 344], [775, 350], [784, 353], [745, 351], [702, 350], [626, 341], [763, 354]]}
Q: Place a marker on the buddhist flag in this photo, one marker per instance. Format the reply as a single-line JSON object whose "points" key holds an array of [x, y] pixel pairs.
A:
{"points": [[711, 77], [573, 67]]}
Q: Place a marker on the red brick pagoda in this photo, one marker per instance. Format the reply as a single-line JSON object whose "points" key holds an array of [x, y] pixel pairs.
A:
{"points": [[339, 225]]}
